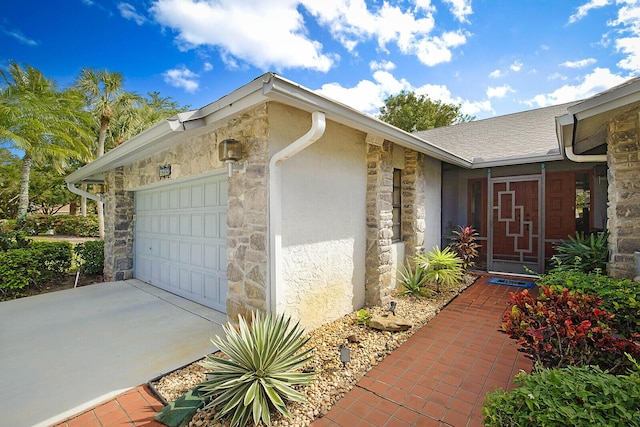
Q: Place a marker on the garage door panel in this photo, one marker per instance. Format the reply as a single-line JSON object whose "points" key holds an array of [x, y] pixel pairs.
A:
{"points": [[180, 239], [211, 194]]}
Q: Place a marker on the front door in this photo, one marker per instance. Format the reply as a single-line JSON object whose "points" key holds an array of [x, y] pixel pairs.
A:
{"points": [[515, 231]]}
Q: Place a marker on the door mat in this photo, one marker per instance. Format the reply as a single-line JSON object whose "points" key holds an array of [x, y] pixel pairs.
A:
{"points": [[511, 282]]}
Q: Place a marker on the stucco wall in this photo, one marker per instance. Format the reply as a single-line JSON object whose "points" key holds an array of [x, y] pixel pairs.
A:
{"points": [[433, 205], [323, 211]]}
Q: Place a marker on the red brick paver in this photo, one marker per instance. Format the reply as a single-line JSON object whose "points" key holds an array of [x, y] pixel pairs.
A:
{"points": [[439, 377], [134, 408]]}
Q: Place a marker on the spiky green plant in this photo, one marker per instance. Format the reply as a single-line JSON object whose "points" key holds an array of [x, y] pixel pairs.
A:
{"points": [[586, 253], [441, 266], [413, 280], [264, 359]]}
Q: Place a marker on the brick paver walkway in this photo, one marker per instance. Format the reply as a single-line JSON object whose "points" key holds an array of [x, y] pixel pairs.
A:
{"points": [[439, 377]]}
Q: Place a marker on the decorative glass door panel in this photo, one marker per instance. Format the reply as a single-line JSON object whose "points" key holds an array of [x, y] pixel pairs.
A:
{"points": [[515, 225]]}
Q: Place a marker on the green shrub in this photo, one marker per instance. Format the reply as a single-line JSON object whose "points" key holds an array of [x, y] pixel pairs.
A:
{"points": [[572, 396], [12, 239], [564, 328], [67, 225], [413, 280], [262, 365], [363, 316], [19, 268], [621, 297], [91, 255], [54, 258], [584, 253], [80, 226], [442, 267]]}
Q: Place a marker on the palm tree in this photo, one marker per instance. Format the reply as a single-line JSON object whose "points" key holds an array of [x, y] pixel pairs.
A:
{"points": [[106, 97], [47, 124]]}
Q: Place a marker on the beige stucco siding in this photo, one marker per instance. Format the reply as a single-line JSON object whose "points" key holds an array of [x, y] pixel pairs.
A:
{"points": [[432, 208], [323, 213]]}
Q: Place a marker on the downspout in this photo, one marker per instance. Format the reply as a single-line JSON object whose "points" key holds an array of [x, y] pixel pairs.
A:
{"points": [[581, 158], [72, 187], [318, 125]]}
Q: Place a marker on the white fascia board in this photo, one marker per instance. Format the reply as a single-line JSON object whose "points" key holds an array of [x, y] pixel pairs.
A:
{"points": [[609, 100], [162, 135], [289, 93], [511, 161]]}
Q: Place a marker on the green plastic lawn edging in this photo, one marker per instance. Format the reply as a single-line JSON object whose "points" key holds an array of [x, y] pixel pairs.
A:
{"points": [[179, 412]]}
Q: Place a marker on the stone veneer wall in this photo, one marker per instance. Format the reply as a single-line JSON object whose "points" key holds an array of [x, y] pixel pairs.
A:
{"points": [[118, 224], [413, 204], [247, 197], [623, 148], [378, 274], [247, 218]]}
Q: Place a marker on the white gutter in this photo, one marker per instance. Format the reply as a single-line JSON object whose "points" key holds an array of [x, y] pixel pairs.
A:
{"points": [[282, 90], [565, 129], [72, 187], [318, 125]]}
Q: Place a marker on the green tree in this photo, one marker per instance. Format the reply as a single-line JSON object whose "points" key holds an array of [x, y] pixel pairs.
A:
{"points": [[47, 124], [412, 112], [105, 95], [50, 192], [9, 183]]}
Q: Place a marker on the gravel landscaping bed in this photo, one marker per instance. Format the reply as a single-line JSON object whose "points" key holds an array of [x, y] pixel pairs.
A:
{"points": [[333, 380]]}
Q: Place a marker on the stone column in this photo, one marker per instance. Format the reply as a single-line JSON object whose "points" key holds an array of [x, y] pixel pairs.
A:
{"points": [[118, 225], [247, 217], [413, 190], [378, 278], [623, 148]]}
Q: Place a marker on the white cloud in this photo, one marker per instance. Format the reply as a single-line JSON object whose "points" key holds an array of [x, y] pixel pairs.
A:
{"points": [[584, 9], [499, 91], [182, 77], [381, 65], [599, 80], [496, 74], [368, 96], [352, 23], [579, 64], [629, 45], [128, 11], [460, 9], [557, 76], [516, 66], [263, 34], [208, 66], [17, 34]]}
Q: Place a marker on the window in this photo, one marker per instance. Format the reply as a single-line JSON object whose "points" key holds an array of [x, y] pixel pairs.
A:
{"points": [[477, 205], [397, 205]]}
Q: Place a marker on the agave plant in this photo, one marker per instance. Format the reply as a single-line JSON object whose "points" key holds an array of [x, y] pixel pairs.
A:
{"points": [[466, 245], [413, 280], [441, 266], [262, 366]]}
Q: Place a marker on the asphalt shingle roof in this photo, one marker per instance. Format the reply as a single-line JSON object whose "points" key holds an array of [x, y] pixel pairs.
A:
{"points": [[514, 137]]}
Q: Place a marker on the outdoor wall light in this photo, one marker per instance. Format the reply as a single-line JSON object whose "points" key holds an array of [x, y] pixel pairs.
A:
{"points": [[230, 152], [345, 354]]}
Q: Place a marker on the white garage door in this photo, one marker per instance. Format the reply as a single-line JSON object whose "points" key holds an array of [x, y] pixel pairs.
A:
{"points": [[180, 239]]}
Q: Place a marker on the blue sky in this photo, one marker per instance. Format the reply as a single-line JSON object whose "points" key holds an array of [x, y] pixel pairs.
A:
{"points": [[491, 56]]}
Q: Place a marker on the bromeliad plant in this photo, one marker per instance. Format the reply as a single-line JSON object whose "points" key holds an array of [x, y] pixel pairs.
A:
{"points": [[413, 279], [262, 366], [465, 243], [442, 267]]}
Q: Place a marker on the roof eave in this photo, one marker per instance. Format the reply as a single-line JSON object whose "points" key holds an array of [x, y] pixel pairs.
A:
{"points": [[285, 91], [510, 161]]}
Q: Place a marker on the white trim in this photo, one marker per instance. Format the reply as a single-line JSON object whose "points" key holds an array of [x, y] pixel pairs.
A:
{"points": [[180, 180]]}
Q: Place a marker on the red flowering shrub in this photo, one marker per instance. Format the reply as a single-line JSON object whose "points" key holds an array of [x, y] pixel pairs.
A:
{"points": [[563, 328]]}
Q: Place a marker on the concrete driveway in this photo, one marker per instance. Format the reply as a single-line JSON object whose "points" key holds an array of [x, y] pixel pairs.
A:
{"points": [[65, 351]]}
